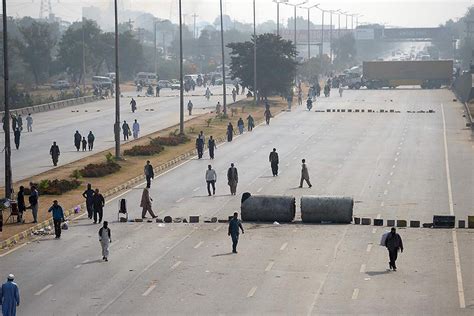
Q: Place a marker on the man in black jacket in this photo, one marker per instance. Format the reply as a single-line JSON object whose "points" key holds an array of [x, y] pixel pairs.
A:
{"points": [[393, 242], [99, 203]]}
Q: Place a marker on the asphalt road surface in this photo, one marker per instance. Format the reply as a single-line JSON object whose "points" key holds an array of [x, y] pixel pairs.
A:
{"points": [[395, 165], [60, 125]]}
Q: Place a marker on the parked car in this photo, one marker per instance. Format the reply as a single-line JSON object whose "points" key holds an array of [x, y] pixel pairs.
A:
{"points": [[175, 85], [60, 85], [164, 84], [102, 82]]}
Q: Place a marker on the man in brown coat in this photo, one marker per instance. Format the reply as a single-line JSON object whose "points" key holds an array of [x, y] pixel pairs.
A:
{"points": [[304, 174], [146, 203], [232, 178]]}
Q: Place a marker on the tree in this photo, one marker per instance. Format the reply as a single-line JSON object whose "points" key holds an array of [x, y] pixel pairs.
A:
{"points": [[345, 50], [276, 65]]}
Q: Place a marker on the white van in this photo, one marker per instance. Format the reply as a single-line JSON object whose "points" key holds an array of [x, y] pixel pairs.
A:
{"points": [[146, 78]]}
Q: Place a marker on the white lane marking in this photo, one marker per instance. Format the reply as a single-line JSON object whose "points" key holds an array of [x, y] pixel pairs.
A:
{"points": [[180, 200], [77, 266], [148, 291], [388, 182], [269, 266], [374, 230], [259, 189], [362, 268], [398, 153], [391, 173], [396, 159], [393, 167], [252, 291], [217, 228], [255, 151], [355, 294], [385, 192], [198, 245], [85, 261], [245, 157], [369, 247], [457, 261], [43, 290], [287, 164], [379, 216], [12, 250], [174, 266], [270, 180], [196, 189], [283, 246], [139, 226], [294, 158]]}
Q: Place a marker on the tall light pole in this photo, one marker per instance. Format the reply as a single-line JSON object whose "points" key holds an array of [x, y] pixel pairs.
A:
{"points": [[254, 56], [357, 19], [322, 35], [6, 124], [117, 86], [83, 57], [181, 86], [339, 23], [278, 14], [330, 34], [294, 38], [223, 62], [309, 30], [154, 45]]}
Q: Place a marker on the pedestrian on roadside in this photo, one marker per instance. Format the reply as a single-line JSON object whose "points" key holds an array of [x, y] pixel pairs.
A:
{"points": [[125, 130], [304, 174], [234, 226], [14, 122], [20, 200], [58, 217], [232, 179], [54, 152], [211, 178], [105, 238], [84, 144], [149, 173], [90, 140], [218, 108], [34, 202], [250, 123], [9, 296], [289, 99], [29, 123], [268, 115], [211, 145], [88, 194], [394, 243], [133, 104], [199, 146], [135, 129], [17, 135], [240, 125], [230, 132], [190, 108], [234, 94], [99, 203], [157, 89], [146, 203], [77, 140], [273, 158], [20, 122]]}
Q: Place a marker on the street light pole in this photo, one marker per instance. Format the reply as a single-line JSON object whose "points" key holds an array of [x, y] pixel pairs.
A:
{"points": [[154, 45], [117, 87], [254, 56], [83, 57], [223, 62], [181, 88], [309, 31], [278, 18], [6, 123], [294, 37], [330, 35]]}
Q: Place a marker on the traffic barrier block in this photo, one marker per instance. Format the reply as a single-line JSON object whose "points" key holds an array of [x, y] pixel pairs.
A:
{"points": [[167, 219], [357, 111], [391, 223], [194, 219], [444, 221], [350, 110], [401, 223], [366, 221], [222, 221], [159, 220], [338, 110], [362, 110], [343, 110], [138, 220], [213, 219], [461, 223], [392, 111], [470, 222], [415, 224], [357, 220], [427, 225], [328, 110], [378, 222]]}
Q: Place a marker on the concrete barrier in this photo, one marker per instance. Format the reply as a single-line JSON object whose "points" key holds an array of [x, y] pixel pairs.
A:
{"points": [[470, 222], [378, 222], [51, 106], [317, 209], [268, 208]]}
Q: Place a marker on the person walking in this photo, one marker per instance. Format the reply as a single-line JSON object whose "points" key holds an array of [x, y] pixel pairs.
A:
{"points": [[58, 217], [232, 179], [105, 238], [99, 203], [149, 173], [394, 243], [211, 178], [34, 202], [273, 158], [211, 145], [29, 123], [250, 123], [157, 89], [125, 130], [90, 140], [199, 146], [133, 104], [218, 108], [234, 94], [289, 99], [268, 115], [230, 132], [135, 129], [20, 122], [84, 144], [240, 125], [20, 200], [54, 152], [14, 122], [17, 135], [146, 203], [304, 174], [9, 296], [77, 140], [234, 226], [190, 108], [88, 194]]}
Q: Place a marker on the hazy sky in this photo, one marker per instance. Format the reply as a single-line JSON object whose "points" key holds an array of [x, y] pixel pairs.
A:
{"points": [[415, 13]]}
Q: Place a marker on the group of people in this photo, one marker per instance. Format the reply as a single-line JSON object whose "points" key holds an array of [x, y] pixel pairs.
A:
{"points": [[17, 127], [232, 179], [240, 126], [33, 200], [201, 141], [87, 144], [95, 203]]}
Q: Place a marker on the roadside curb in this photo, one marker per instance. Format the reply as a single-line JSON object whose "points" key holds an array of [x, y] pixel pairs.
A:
{"points": [[52, 106]]}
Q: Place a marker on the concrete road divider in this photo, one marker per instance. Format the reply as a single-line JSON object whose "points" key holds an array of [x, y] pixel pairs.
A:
{"points": [[461, 223], [366, 221], [268, 208], [444, 221], [317, 209], [194, 219], [378, 222], [401, 223], [390, 222], [470, 222], [415, 224]]}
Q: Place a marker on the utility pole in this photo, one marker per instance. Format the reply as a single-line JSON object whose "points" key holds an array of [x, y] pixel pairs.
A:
{"points": [[6, 124], [254, 56], [294, 36], [309, 28], [194, 28], [181, 87], [83, 56], [117, 87], [154, 46], [223, 62]]}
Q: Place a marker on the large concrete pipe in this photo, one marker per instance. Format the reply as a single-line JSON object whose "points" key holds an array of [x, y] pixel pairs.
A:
{"points": [[268, 208], [317, 209]]}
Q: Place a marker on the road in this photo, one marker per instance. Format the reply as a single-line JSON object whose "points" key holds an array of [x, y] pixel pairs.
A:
{"points": [[60, 125], [395, 165]]}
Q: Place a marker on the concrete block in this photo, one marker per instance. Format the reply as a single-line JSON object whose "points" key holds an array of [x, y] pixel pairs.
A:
{"points": [[401, 223], [123, 220], [222, 221], [444, 221], [357, 110], [213, 219], [470, 222], [415, 224], [427, 225], [391, 223], [350, 110], [378, 222], [328, 110], [185, 220], [366, 221], [159, 220], [461, 223], [138, 220], [194, 219], [334, 110], [338, 110], [357, 220], [168, 219], [370, 111], [392, 111], [343, 110], [362, 110], [381, 111]]}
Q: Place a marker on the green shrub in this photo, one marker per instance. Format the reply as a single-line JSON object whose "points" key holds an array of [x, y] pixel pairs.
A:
{"points": [[55, 187], [144, 150], [96, 170], [169, 141]]}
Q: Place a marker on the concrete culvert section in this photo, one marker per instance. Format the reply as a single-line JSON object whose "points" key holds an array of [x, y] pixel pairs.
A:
{"points": [[319, 209], [268, 208]]}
